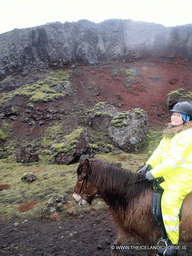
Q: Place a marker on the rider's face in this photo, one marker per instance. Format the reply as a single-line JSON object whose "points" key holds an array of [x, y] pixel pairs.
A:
{"points": [[176, 119]]}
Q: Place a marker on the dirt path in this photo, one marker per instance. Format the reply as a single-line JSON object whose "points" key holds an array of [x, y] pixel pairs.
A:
{"points": [[74, 236]]}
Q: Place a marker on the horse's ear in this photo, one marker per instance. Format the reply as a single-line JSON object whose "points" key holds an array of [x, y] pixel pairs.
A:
{"points": [[85, 166], [83, 169]]}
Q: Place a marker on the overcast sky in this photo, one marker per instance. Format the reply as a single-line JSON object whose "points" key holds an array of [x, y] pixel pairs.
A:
{"points": [[31, 13]]}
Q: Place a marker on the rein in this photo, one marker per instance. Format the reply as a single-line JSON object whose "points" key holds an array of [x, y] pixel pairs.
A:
{"points": [[138, 181]]}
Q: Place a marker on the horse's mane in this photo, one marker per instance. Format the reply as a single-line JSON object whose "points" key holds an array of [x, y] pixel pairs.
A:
{"points": [[112, 179]]}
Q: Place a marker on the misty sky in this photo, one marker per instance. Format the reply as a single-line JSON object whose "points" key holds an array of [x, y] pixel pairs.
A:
{"points": [[31, 13]]}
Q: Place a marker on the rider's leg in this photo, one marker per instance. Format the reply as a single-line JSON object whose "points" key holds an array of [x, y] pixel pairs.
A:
{"points": [[170, 205]]}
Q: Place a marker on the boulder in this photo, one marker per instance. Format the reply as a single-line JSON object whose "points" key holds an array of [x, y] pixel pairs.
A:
{"points": [[24, 156], [8, 110], [72, 147], [176, 96], [29, 177], [101, 116], [129, 129]]}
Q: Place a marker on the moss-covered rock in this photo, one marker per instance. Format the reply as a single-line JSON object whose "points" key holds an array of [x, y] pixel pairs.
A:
{"points": [[101, 115], [3, 135], [73, 146], [52, 134], [53, 86], [178, 95], [128, 130], [24, 156], [5, 144], [130, 73]]}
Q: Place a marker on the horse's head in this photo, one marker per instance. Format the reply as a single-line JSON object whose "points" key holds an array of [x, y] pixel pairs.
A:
{"points": [[84, 190]]}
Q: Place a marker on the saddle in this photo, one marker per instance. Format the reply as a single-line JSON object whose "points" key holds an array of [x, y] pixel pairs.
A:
{"points": [[156, 203]]}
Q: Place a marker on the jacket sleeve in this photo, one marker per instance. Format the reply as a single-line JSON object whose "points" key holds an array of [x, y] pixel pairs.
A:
{"points": [[174, 158], [156, 157]]}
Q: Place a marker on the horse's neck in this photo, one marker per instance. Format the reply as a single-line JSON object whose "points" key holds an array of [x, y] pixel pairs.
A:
{"points": [[115, 189]]}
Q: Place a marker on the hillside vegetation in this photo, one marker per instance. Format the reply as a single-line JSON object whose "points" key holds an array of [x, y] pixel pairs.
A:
{"points": [[41, 110]]}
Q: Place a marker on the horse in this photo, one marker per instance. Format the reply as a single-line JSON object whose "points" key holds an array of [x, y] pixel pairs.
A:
{"points": [[129, 197]]}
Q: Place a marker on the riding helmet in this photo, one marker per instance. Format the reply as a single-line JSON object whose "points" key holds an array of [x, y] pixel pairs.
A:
{"points": [[183, 107]]}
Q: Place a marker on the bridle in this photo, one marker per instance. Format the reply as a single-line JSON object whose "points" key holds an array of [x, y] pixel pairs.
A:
{"points": [[84, 181], [138, 181]]}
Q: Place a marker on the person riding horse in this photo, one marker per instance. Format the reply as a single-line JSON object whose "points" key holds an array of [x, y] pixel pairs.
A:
{"points": [[172, 160]]}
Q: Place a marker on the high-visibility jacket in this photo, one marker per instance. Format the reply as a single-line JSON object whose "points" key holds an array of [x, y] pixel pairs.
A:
{"points": [[172, 159]]}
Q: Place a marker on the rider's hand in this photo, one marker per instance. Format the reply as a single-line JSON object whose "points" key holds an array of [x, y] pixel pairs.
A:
{"points": [[144, 169], [149, 175]]}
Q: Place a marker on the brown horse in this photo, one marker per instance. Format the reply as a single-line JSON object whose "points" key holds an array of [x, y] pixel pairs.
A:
{"points": [[129, 196]]}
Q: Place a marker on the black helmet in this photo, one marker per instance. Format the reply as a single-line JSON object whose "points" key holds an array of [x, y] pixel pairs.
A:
{"points": [[183, 107]]}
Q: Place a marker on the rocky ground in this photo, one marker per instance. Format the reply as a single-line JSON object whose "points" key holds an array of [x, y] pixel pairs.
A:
{"points": [[85, 234], [93, 234]]}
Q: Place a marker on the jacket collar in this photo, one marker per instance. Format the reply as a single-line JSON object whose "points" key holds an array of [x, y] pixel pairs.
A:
{"points": [[171, 130]]}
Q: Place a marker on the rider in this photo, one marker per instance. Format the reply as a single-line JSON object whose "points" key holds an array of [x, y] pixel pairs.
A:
{"points": [[172, 160]]}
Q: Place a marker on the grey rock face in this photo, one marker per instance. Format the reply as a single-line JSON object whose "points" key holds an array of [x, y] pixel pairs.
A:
{"points": [[129, 129], [57, 44], [101, 115]]}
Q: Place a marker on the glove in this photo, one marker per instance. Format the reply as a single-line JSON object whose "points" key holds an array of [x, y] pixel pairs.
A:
{"points": [[144, 169], [149, 176]]}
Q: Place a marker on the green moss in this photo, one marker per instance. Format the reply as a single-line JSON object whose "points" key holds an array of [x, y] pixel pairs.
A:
{"points": [[69, 142], [180, 95], [120, 120], [5, 130], [93, 146], [118, 123], [111, 147], [99, 140], [131, 72], [47, 89], [53, 134], [56, 84], [101, 113], [179, 92], [115, 71], [51, 180], [139, 111], [122, 115], [3, 136], [152, 141], [55, 140], [100, 105]]}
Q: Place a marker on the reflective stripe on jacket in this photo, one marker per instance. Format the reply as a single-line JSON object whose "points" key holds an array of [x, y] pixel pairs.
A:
{"points": [[173, 160]]}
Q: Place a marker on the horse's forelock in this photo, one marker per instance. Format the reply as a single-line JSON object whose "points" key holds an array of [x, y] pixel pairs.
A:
{"points": [[84, 165]]}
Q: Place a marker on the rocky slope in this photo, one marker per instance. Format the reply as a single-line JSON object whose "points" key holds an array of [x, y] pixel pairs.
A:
{"points": [[57, 44], [53, 75]]}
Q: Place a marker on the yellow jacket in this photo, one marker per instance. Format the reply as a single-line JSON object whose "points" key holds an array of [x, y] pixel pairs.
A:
{"points": [[172, 159]]}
